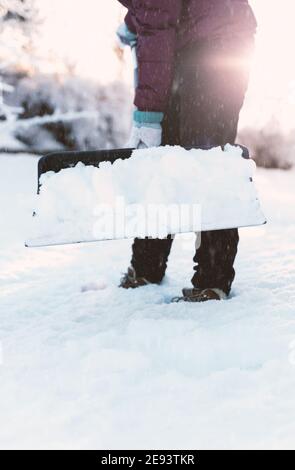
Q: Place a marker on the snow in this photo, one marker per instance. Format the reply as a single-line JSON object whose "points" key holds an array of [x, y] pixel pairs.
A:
{"points": [[197, 188], [107, 368], [8, 140]]}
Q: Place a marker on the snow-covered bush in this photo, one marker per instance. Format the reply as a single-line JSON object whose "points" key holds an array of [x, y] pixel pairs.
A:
{"points": [[270, 147], [77, 113]]}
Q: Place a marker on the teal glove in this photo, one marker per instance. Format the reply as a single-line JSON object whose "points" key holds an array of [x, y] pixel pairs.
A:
{"points": [[146, 130], [151, 119]]}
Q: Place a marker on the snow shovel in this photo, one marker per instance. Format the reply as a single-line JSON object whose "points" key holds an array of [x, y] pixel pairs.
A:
{"points": [[59, 175]]}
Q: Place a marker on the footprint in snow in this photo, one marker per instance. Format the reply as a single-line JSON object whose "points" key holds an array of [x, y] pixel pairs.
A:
{"points": [[94, 286]]}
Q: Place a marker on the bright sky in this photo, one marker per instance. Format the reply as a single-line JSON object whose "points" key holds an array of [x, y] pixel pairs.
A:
{"points": [[272, 87], [83, 32]]}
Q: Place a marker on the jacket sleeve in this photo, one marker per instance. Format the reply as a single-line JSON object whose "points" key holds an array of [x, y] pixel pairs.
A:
{"points": [[129, 18], [156, 23]]}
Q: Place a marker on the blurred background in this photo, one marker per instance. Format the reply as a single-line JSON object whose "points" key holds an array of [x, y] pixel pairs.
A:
{"points": [[65, 84]]}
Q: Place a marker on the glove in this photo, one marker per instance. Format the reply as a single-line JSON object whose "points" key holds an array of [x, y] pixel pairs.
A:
{"points": [[144, 137], [126, 37], [146, 130]]}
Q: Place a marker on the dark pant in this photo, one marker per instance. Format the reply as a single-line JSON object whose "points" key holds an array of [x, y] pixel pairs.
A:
{"points": [[207, 95]]}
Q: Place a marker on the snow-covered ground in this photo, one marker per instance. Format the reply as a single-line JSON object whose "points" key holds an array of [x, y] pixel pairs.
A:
{"points": [[107, 368]]}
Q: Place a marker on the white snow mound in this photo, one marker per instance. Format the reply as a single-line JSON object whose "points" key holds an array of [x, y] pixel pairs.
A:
{"points": [[156, 192]]}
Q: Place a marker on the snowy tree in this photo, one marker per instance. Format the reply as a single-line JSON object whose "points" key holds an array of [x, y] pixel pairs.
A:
{"points": [[49, 108], [18, 19]]}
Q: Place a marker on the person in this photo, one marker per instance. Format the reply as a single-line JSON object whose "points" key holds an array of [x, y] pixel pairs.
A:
{"points": [[193, 71]]}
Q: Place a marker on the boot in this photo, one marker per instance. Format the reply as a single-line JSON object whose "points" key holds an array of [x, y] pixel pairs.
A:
{"points": [[131, 281], [200, 295]]}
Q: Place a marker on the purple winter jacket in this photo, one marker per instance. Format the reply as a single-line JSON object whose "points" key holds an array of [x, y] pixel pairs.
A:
{"points": [[166, 26]]}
